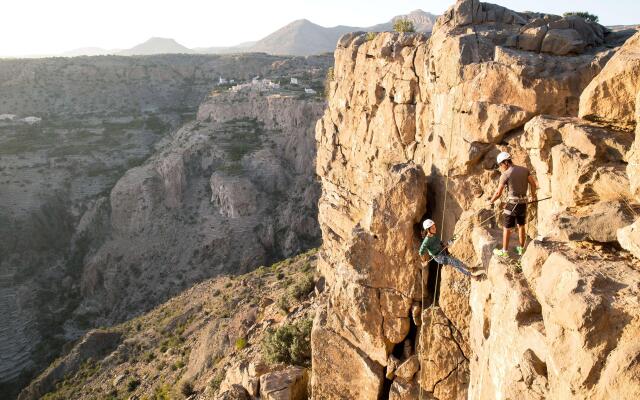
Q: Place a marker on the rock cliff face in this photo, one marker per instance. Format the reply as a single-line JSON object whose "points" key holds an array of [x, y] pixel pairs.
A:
{"points": [[233, 188], [412, 130]]}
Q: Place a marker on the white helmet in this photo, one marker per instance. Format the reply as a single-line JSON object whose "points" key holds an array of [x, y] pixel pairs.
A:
{"points": [[503, 156], [427, 224]]}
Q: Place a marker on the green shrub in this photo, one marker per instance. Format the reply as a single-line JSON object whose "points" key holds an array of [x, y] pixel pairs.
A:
{"points": [[133, 384], [162, 392], [403, 25], [186, 388], [370, 36], [149, 356], [283, 304], [584, 14], [289, 344], [302, 288], [241, 343], [216, 381]]}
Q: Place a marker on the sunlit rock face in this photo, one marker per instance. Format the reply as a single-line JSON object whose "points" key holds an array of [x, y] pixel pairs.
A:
{"points": [[412, 129]]}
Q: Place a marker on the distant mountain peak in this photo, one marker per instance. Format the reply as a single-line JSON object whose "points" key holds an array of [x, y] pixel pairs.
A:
{"points": [[157, 45]]}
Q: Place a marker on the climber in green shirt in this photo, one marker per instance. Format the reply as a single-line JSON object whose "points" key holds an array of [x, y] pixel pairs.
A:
{"points": [[433, 246]]}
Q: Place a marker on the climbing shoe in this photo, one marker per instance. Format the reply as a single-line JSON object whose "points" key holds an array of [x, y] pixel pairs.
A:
{"points": [[500, 253], [520, 250]]}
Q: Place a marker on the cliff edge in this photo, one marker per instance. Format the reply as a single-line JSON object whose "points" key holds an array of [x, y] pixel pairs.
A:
{"points": [[412, 130]]}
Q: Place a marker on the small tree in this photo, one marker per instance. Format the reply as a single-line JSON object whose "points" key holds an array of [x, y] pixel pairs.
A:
{"points": [[584, 14], [403, 25], [289, 344]]}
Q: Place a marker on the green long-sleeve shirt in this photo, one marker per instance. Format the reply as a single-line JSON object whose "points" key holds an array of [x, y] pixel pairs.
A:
{"points": [[431, 244]]}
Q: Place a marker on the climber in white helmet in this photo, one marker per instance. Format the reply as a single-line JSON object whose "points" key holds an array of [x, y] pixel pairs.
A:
{"points": [[518, 180], [432, 245]]}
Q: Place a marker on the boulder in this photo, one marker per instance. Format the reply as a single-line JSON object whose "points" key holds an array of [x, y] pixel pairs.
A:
{"points": [[562, 42], [599, 222], [404, 390], [530, 39], [408, 368], [341, 370], [235, 392], [629, 238], [287, 384], [610, 98]]}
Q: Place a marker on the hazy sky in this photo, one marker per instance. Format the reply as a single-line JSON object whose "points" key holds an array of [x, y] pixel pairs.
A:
{"points": [[55, 26]]}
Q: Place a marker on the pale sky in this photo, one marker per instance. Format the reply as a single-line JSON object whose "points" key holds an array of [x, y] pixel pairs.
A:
{"points": [[54, 26]]}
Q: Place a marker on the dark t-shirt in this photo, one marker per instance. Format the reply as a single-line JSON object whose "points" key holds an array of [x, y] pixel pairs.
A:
{"points": [[516, 179]]}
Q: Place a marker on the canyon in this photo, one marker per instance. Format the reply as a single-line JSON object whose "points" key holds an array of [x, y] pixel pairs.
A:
{"points": [[110, 209]]}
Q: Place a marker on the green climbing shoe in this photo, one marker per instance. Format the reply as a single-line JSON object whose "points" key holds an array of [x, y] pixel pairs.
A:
{"points": [[500, 253], [520, 250]]}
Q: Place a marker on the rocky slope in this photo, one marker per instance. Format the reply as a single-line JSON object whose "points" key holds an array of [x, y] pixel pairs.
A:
{"points": [[228, 335], [412, 130], [66, 234]]}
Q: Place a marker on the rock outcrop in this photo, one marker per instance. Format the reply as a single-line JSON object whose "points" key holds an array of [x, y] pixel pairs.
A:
{"points": [[562, 328], [241, 174], [412, 129]]}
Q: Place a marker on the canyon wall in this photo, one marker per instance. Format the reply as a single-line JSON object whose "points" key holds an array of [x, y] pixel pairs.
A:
{"points": [[113, 201], [412, 130]]}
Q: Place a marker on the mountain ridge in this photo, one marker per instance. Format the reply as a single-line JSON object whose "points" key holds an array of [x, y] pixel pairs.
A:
{"points": [[300, 37]]}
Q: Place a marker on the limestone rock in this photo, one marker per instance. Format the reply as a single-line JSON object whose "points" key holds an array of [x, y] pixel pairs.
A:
{"points": [[599, 222], [633, 157], [404, 114], [408, 368], [562, 42], [404, 391], [549, 332], [287, 384], [629, 238], [611, 96], [235, 392], [339, 368], [556, 35], [234, 196], [392, 365], [444, 370], [134, 198], [171, 169]]}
